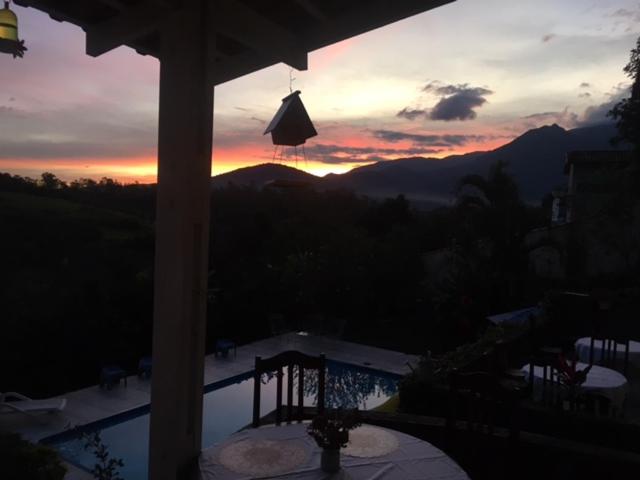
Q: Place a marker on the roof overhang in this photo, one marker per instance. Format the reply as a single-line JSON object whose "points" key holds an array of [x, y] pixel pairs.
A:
{"points": [[249, 34]]}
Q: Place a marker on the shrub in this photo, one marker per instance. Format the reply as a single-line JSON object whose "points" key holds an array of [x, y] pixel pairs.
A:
{"points": [[23, 460]]}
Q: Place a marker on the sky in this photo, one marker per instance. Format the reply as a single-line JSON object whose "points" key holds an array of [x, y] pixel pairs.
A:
{"points": [[468, 76]]}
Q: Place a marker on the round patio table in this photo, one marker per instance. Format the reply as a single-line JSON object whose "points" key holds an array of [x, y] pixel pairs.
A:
{"points": [[600, 380], [288, 452], [583, 350]]}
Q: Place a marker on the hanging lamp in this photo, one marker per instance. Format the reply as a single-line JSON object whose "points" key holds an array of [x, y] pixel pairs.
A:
{"points": [[9, 41]]}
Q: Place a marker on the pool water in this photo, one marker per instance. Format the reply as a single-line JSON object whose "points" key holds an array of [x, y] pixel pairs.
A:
{"points": [[227, 407]]}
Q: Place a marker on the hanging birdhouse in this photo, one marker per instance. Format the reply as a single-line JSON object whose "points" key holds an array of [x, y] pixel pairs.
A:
{"points": [[9, 41], [291, 124]]}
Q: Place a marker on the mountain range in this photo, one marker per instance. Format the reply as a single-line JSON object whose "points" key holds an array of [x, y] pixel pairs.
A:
{"points": [[535, 159]]}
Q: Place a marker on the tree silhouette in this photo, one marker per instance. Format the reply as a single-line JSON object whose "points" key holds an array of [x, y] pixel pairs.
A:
{"points": [[491, 238], [627, 111]]}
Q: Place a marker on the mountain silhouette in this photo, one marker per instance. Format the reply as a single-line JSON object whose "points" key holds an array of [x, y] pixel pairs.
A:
{"points": [[535, 159], [259, 175]]}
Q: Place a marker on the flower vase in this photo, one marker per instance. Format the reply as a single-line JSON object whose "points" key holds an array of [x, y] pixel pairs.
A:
{"points": [[330, 460]]}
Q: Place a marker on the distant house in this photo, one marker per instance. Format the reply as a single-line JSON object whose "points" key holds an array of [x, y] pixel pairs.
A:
{"points": [[592, 180], [595, 224]]}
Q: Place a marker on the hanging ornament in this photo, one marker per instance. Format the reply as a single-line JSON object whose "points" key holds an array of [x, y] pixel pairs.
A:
{"points": [[291, 125], [9, 41]]}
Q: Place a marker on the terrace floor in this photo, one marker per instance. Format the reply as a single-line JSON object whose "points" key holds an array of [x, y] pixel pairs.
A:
{"points": [[93, 403]]}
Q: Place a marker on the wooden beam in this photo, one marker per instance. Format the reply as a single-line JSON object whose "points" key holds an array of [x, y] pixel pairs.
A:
{"points": [[131, 23], [355, 22], [312, 9], [182, 238], [57, 14], [235, 66], [249, 62], [117, 4], [246, 26]]}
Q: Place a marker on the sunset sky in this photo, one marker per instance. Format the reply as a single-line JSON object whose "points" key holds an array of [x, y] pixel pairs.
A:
{"points": [[467, 76]]}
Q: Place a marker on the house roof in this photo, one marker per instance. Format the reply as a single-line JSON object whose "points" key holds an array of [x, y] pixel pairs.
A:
{"points": [[249, 34], [595, 157], [291, 124], [286, 102]]}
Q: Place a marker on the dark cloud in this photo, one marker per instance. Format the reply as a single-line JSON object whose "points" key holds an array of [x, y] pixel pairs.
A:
{"points": [[585, 85], [336, 154], [584, 95], [597, 114], [457, 102], [548, 37], [593, 115], [564, 118], [412, 114], [338, 160], [441, 90], [75, 133], [436, 141], [457, 107], [625, 13], [43, 149], [622, 12]]}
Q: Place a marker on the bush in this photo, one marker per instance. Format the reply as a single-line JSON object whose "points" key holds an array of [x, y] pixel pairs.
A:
{"points": [[22, 460]]}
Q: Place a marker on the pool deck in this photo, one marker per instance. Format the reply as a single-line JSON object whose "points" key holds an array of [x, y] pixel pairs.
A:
{"points": [[93, 403]]}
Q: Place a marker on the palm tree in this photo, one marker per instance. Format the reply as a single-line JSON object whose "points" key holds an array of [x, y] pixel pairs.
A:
{"points": [[496, 223]]}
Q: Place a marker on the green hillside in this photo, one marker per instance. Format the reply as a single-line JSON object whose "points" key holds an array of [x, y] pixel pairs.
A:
{"points": [[75, 290]]}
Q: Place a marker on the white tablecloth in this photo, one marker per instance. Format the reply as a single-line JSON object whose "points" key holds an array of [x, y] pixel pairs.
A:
{"points": [[414, 459], [583, 349], [600, 380]]}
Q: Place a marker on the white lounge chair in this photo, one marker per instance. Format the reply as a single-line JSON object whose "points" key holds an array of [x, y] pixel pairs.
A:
{"points": [[16, 402]]}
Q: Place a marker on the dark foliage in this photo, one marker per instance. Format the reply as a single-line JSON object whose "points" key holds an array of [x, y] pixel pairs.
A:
{"points": [[627, 111], [106, 467], [23, 460], [76, 283]]}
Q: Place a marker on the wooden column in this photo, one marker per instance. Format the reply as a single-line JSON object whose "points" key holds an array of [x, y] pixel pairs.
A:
{"points": [[182, 238]]}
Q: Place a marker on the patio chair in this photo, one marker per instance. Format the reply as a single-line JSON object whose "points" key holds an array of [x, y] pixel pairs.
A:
{"points": [[277, 363], [548, 390], [145, 367], [609, 356], [111, 375], [11, 402], [222, 347]]}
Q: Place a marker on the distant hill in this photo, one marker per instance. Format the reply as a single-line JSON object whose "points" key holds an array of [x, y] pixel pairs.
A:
{"points": [[259, 175], [536, 159]]}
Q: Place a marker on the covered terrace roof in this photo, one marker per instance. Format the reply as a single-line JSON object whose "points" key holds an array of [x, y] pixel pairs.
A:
{"points": [[249, 34]]}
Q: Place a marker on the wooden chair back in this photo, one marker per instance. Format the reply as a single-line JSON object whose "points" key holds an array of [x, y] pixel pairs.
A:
{"points": [[482, 424], [290, 360], [611, 352], [549, 392]]}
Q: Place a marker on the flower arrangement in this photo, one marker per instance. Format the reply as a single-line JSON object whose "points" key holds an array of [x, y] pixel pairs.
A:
{"points": [[331, 430], [568, 374]]}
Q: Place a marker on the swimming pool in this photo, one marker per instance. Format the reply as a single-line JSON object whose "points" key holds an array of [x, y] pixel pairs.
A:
{"points": [[227, 407]]}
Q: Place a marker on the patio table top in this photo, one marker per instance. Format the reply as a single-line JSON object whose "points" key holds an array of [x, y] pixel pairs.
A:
{"points": [[289, 452]]}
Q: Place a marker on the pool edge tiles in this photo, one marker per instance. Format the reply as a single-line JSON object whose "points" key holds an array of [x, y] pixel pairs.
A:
{"points": [[132, 413], [142, 409]]}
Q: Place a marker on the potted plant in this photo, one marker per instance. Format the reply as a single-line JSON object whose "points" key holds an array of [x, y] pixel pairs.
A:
{"points": [[570, 377], [331, 432]]}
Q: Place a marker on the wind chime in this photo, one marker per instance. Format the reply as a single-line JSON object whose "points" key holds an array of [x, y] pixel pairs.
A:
{"points": [[9, 41], [291, 126]]}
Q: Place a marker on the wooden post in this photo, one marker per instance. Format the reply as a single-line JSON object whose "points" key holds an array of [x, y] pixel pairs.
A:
{"points": [[182, 238]]}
